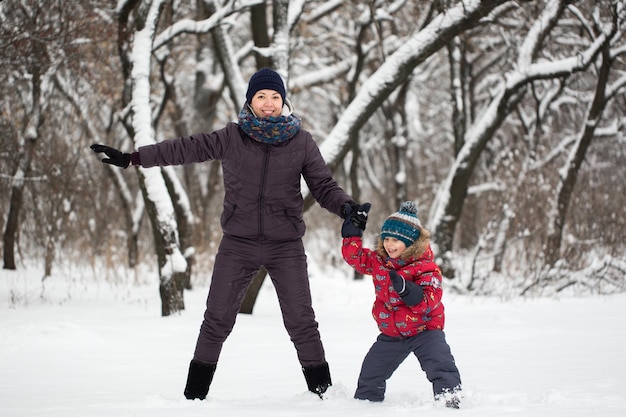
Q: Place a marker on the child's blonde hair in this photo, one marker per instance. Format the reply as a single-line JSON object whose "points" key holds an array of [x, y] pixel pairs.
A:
{"points": [[405, 226], [416, 250]]}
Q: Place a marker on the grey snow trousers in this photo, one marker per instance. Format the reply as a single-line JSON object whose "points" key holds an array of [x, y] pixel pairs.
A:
{"points": [[387, 353], [236, 263]]}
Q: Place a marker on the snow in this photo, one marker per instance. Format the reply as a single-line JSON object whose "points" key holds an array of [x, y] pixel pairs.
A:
{"points": [[80, 346]]}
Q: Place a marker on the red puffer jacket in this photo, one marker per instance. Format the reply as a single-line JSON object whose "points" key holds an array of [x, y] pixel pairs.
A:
{"points": [[395, 318], [262, 198]]}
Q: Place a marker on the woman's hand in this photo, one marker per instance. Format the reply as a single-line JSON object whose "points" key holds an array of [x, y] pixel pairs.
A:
{"points": [[356, 219], [115, 157]]}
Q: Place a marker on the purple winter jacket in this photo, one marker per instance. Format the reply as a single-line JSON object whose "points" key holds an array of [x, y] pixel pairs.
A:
{"points": [[262, 197]]}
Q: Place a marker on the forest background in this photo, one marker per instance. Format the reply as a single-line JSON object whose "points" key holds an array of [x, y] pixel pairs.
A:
{"points": [[503, 120]]}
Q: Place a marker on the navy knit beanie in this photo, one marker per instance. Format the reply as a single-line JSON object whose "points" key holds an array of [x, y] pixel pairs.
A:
{"points": [[403, 224], [265, 79]]}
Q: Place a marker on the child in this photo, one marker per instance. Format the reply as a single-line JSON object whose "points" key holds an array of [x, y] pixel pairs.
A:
{"points": [[407, 308]]}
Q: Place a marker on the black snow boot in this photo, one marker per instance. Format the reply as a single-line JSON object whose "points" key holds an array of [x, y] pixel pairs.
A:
{"points": [[317, 378], [198, 380]]}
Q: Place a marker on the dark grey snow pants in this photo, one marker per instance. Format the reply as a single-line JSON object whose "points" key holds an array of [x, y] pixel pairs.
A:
{"points": [[236, 263], [387, 353]]}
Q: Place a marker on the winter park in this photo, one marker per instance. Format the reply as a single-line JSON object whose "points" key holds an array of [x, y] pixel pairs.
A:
{"points": [[313, 208]]}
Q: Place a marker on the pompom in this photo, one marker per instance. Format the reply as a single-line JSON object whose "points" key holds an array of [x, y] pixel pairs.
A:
{"points": [[409, 207]]}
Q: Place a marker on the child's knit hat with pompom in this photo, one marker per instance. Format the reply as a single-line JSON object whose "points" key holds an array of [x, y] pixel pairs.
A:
{"points": [[403, 225]]}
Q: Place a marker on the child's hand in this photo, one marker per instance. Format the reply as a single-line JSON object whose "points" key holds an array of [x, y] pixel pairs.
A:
{"points": [[359, 219], [410, 292]]}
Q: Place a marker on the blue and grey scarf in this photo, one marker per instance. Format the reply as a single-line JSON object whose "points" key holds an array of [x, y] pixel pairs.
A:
{"points": [[270, 130]]}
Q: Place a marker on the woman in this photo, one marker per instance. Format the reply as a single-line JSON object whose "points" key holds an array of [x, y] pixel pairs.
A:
{"points": [[263, 157]]}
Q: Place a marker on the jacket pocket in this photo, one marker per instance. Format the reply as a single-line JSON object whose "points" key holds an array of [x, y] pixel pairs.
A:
{"points": [[229, 215], [293, 220]]}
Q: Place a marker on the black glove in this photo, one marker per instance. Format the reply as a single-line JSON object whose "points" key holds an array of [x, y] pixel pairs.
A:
{"points": [[356, 219], [115, 157], [410, 292], [347, 208], [359, 218]]}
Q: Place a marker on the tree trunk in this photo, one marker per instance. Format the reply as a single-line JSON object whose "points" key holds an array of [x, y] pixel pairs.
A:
{"points": [[355, 189], [184, 219], [253, 292], [25, 156], [499, 246], [258, 20], [49, 256], [226, 56], [171, 283], [12, 226], [161, 212], [457, 93], [573, 163], [280, 40]]}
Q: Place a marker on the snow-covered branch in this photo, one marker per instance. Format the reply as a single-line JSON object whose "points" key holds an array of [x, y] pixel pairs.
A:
{"points": [[396, 67], [202, 26], [515, 80]]}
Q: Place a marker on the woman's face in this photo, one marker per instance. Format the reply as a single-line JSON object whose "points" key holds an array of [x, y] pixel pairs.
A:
{"points": [[266, 103], [394, 247]]}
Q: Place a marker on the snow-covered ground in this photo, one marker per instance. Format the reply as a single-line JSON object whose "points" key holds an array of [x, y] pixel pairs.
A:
{"points": [[81, 347]]}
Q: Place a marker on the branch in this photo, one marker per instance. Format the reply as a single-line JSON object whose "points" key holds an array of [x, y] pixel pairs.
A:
{"points": [[397, 68], [13, 178], [515, 80], [202, 26]]}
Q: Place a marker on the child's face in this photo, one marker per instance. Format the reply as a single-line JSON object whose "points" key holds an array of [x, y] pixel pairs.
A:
{"points": [[393, 247]]}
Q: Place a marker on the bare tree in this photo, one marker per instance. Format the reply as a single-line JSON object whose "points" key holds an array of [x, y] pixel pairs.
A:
{"points": [[160, 209], [448, 205], [40, 43], [33, 88], [569, 172]]}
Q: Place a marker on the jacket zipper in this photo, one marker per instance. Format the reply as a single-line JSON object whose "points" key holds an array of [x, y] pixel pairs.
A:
{"points": [[262, 193]]}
